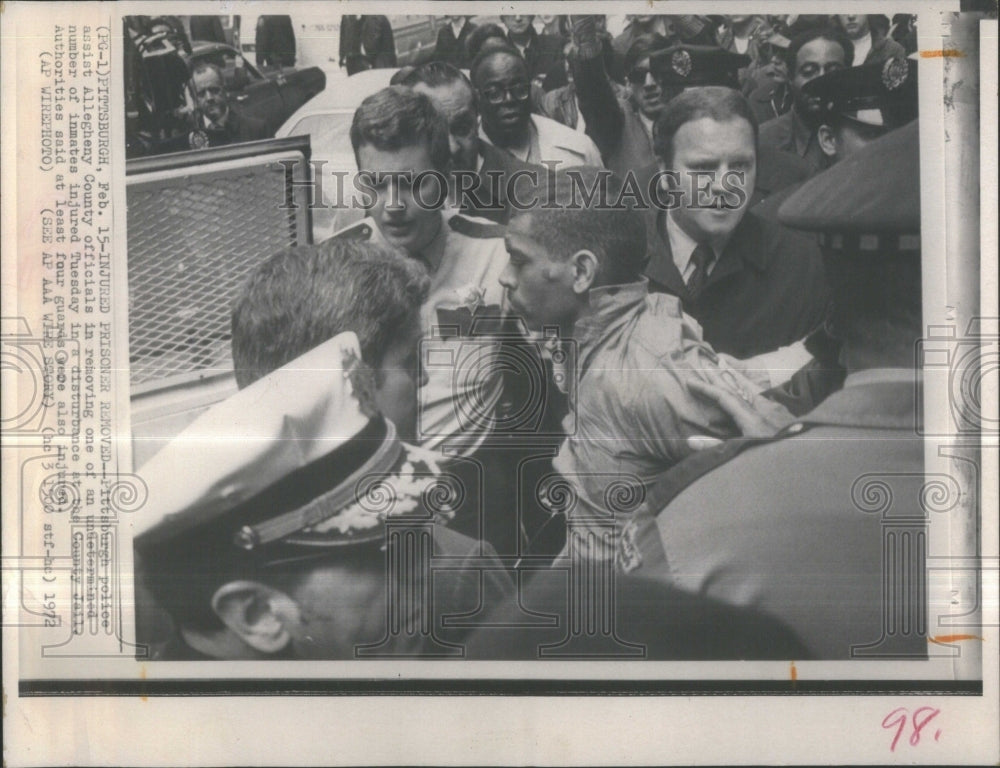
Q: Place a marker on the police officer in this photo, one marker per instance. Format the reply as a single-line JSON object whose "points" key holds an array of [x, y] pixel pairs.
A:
{"points": [[860, 104], [808, 544], [267, 533]]}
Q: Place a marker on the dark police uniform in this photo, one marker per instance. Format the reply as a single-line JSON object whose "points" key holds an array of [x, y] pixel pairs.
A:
{"points": [[289, 469], [800, 526]]}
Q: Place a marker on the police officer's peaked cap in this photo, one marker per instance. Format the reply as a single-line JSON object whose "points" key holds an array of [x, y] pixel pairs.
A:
{"points": [[694, 65], [868, 202], [876, 95], [287, 468]]}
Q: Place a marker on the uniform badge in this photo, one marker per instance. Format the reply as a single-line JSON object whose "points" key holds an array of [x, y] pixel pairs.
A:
{"points": [[198, 139], [894, 73], [681, 63]]}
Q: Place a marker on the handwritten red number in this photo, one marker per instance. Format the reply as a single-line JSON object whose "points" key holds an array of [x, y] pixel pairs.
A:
{"points": [[919, 722], [899, 716], [897, 719]]}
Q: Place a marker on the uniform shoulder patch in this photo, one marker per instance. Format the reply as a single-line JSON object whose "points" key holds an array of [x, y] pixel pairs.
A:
{"points": [[474, 226]]}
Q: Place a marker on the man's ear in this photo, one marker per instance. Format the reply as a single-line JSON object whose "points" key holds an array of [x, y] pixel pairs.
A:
{"points": [[827, 140], [259, 615], [585, 266]]}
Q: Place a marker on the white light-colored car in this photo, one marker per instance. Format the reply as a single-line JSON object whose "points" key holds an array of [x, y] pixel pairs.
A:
{"points": [[326, 119]]}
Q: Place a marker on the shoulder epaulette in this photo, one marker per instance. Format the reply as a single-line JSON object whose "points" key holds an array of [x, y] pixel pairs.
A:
{"points": [[475, 226]]}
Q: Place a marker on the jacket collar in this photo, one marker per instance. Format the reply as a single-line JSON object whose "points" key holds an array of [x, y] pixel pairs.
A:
{"points": [[610, 307], [744, 247]]}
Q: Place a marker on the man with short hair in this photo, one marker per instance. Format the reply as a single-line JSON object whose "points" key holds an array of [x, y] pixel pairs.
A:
{"points": [[455, 98], [218, 123], [401, 145], [266, 534], [809, 544], [810, 55], [871, 41], [753, 285], [575, 273], [504, 91]]}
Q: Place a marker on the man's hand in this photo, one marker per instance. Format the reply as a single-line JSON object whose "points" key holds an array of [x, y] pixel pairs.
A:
{"points": [[754, 415]]}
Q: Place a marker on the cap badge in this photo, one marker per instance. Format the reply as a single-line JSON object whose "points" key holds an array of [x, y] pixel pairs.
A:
{"points": [[894, 73], [681, 63]]}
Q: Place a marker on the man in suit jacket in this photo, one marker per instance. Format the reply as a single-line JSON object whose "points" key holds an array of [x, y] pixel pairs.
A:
{"points": [[220, 124], [812, 543], [451, 39], [753, 285]]}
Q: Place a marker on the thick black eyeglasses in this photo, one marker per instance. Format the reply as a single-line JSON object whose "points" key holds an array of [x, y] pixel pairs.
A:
{"points": [[495, 94]]}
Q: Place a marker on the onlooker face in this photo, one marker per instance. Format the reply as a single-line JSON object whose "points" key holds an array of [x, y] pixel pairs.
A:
{"points": [[403, 222], [517, 25], [540, 286], [397, 379], [714, 149], [855, 25], [457, 103], [504, 97], [646, 93], [815, 58], [210, 94]]}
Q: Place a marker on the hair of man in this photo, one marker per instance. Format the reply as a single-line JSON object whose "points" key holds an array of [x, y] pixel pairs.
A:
{"points": [[717, 102], [305, 295], [608, 227], [833, 33], [397, 117], [478, 36], [488, 55]]}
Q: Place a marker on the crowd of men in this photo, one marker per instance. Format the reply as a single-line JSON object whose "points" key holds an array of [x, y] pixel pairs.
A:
{"points": [[640, 401]]}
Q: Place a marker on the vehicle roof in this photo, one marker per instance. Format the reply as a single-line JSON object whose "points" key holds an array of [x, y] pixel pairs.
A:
{"points": [[340, 95]]}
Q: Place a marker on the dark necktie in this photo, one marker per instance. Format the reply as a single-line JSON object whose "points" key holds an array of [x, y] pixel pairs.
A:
{"points": [[702, 257]]}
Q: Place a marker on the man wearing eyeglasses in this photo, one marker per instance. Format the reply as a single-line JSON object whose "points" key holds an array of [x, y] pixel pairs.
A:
{"points": [[486, 195], [218, 123], [504, 92]]}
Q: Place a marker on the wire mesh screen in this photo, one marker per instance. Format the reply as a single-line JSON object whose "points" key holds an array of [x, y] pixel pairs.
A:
{"points": [[194, 235]]}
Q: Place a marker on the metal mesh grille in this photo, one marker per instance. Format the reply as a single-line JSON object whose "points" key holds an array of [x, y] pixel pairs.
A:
{"points": [[193, 238]]}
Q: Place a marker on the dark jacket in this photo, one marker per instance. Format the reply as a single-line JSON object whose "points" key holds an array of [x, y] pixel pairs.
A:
{"points": [[542, 53], [366, 42], [451, 49], [275, 42], [883, 48], [481, 200], [768, 288], [789, 133]]}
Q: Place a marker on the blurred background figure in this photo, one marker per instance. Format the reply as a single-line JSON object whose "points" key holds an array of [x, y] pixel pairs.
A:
{"points": [[810, 55], [451, 41], [366, 42], [541, 52], [275, 42], [869, 34]]}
